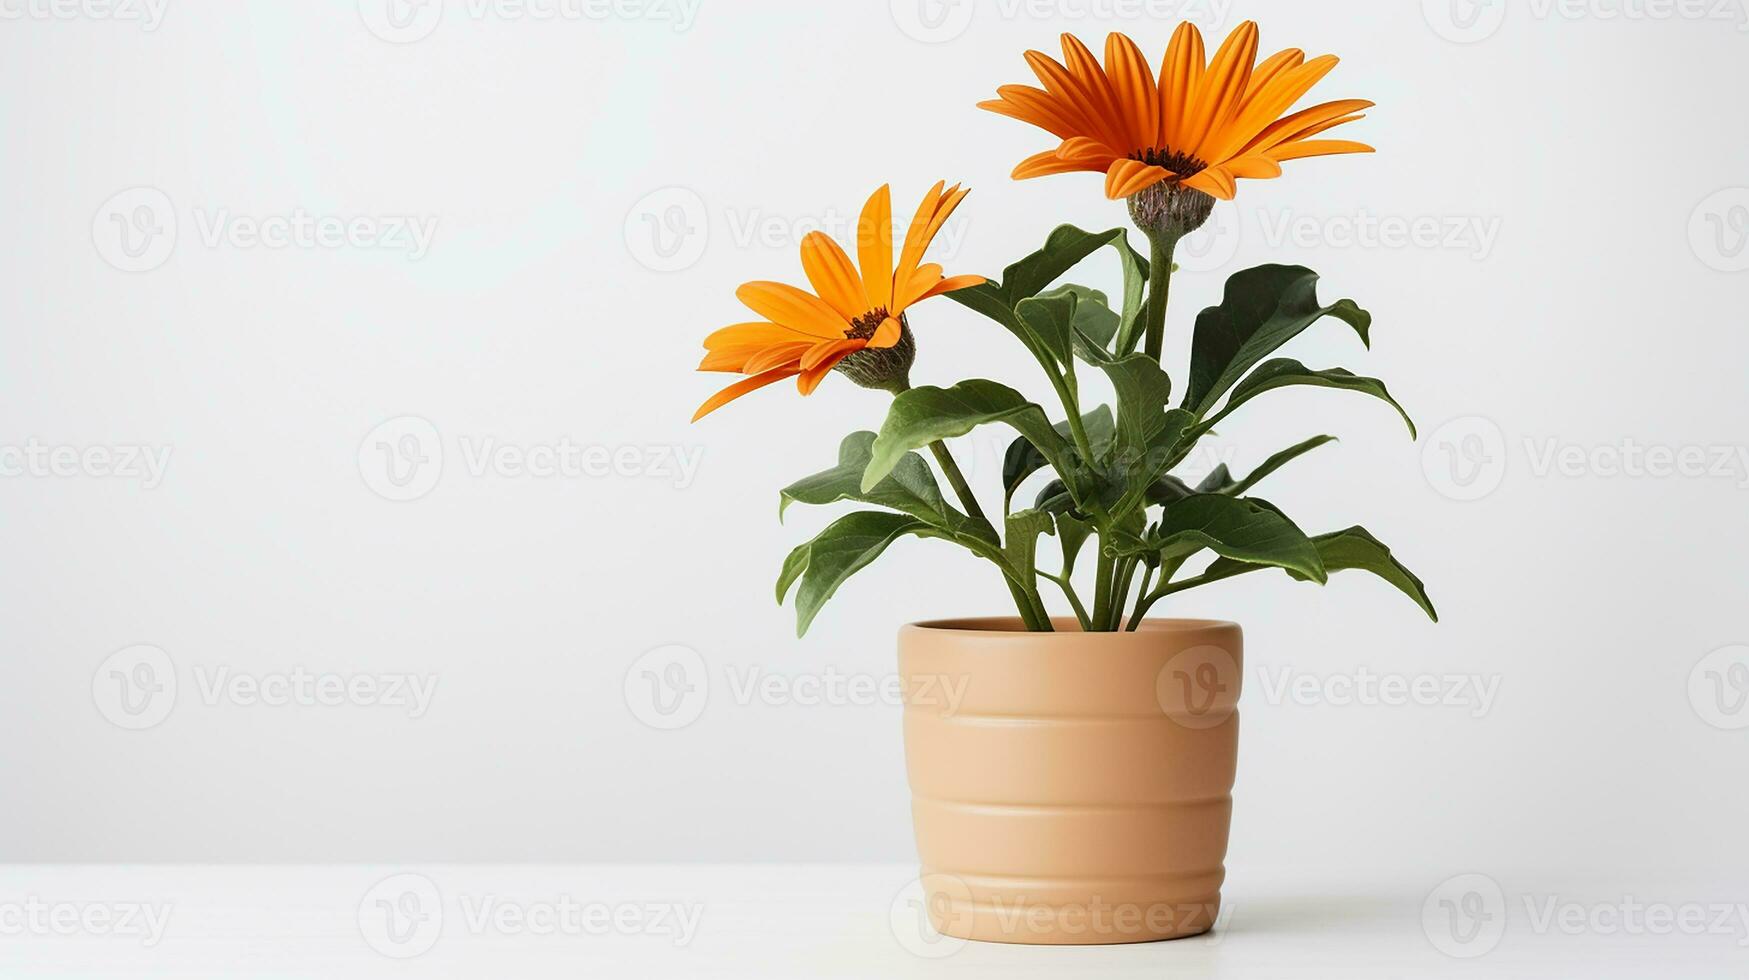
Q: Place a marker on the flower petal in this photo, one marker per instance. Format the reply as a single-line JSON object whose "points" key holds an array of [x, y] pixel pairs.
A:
{"points": [[791, 307], [1217, 99], [950, 284], [1126, 177], [1132, 84], [742, 387], [874, 248], [1048, 162], [834, 349], [1181, 74], [887, 334], [832, 275], [1318, 148]]}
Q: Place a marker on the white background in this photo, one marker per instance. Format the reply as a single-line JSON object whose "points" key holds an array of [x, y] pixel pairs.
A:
{"points": [[1576, 309]]}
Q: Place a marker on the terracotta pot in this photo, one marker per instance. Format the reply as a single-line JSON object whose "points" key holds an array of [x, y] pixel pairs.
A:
{"points": [[1069, 787]]}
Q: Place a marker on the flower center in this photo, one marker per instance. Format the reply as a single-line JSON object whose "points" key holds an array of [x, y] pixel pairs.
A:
{"points": [[1182, 164], [864, 327]]}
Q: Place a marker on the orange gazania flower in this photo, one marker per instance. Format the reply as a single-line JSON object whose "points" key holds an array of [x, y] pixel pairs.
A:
{"points": [[1198, 126], [805, 335]]}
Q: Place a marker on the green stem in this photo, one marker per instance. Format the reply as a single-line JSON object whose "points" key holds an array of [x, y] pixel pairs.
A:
{"points": [[1159, 291], [1074, 600], [1120, 593], [1102, 589], [1026, 599]]}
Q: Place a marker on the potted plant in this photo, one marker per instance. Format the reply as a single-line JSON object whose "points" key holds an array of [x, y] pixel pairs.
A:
{"points": [[1079, 791]]}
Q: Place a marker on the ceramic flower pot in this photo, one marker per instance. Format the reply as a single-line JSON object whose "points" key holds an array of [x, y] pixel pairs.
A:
{"points": [[1069, 787]]}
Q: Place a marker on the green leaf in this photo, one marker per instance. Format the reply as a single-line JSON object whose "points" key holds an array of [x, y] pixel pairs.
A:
{"points": [[1022, 544], [909, 489], [1050, 320], [1284, 371], [844, 548], [1073, 533], [1274, 463], [1062, 251], [922, 415], [1149, 436], [1354, 548], [1263, 308], [1094, 325], [1023, 458], [1247, 531]]}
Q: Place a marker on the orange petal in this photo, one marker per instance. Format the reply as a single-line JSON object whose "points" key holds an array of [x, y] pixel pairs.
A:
{"points": [[832, 275], [1273, 99], [1048, 162], [918, 235], [1086, 69], [874, 248], [1126, 177], [1218, 96], [914, 287], [793, 308], [1271, 68], [742, 387], [834, 349], [1035, 106], [781, 355], [1317, 148], [810, 379], [1214, 181], [1133, 86], [1077, 102], [1306, 122], [1181, 74], [755, 335], [887, 334], [950, 284], [1256, 167]]}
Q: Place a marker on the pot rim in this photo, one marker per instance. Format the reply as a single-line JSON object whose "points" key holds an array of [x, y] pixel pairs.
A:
{"points": [[1002, 626]]}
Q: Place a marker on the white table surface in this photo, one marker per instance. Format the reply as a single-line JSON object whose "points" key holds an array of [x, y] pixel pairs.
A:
{"points": [[812, 921]]}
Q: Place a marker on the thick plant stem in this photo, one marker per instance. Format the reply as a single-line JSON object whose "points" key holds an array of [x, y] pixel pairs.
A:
{"points": [[1102, 591], [1026, 600], [1159, 290]]}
